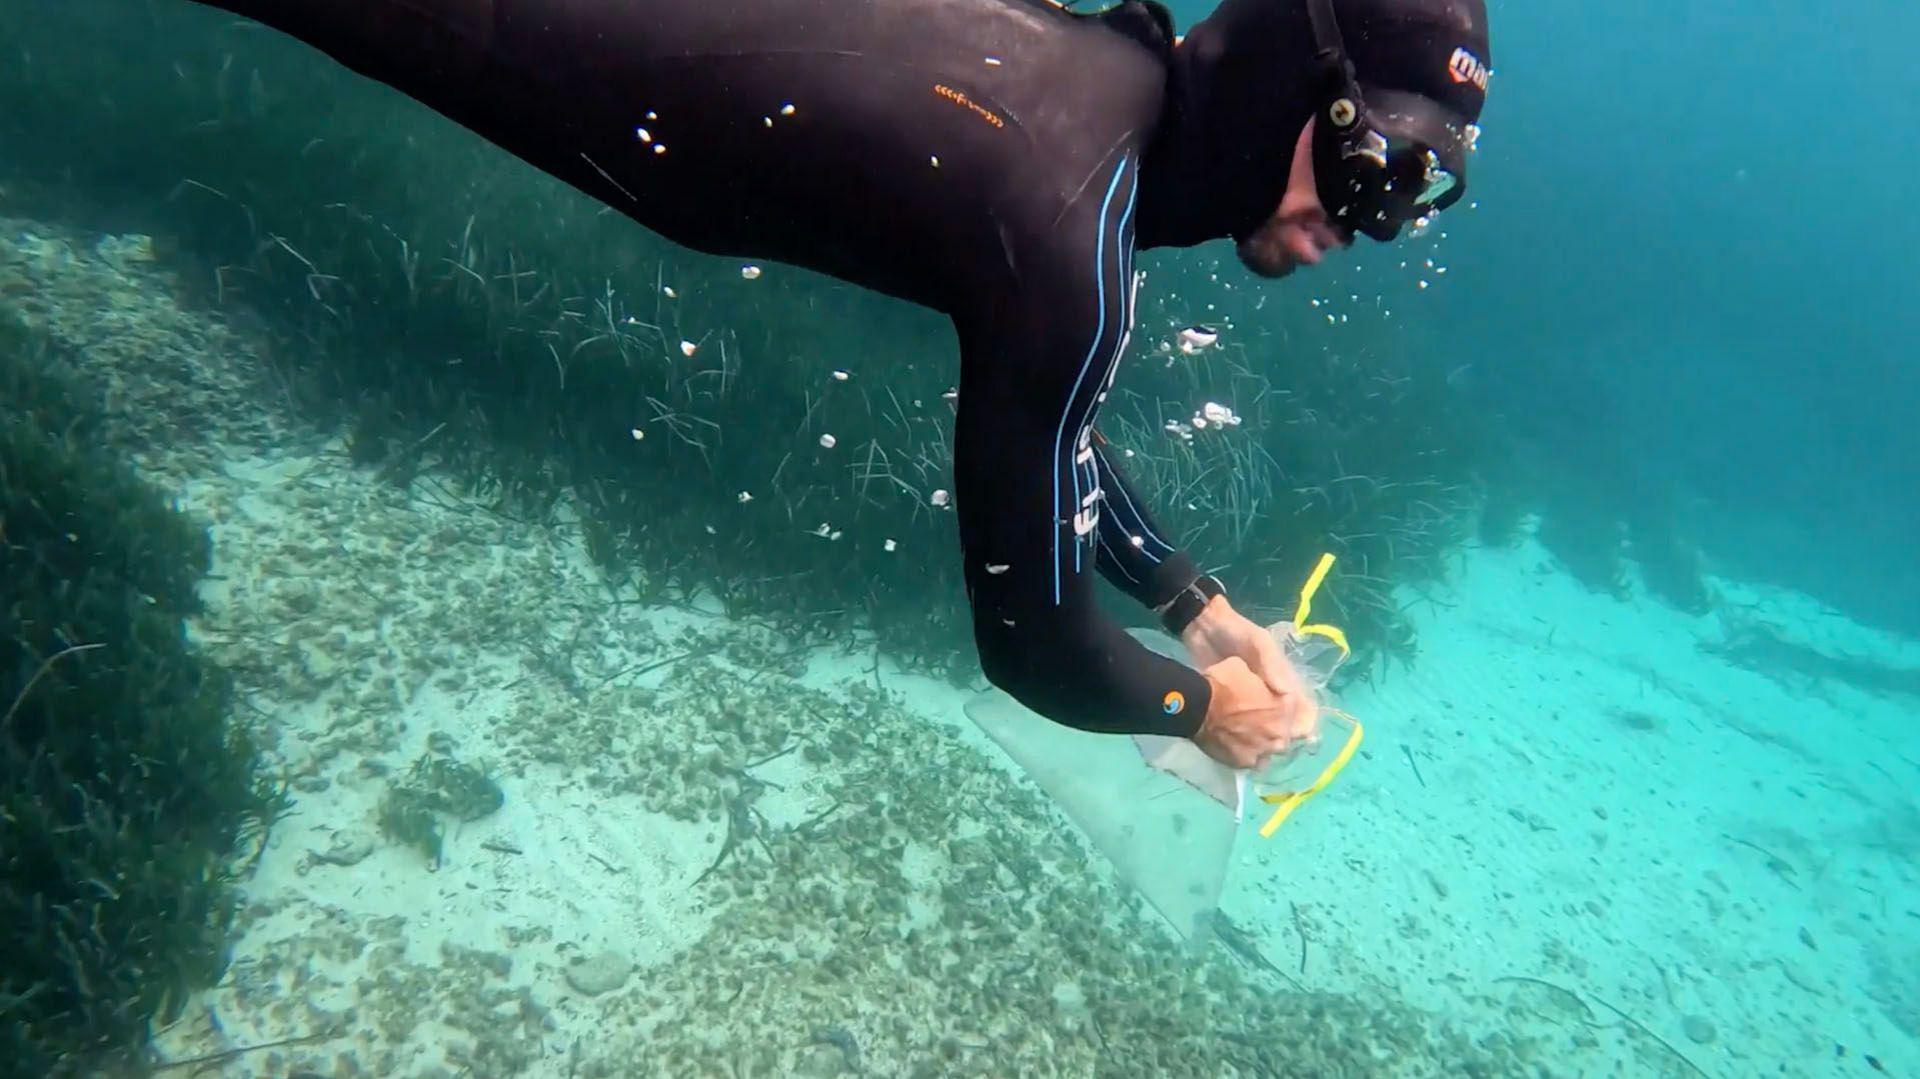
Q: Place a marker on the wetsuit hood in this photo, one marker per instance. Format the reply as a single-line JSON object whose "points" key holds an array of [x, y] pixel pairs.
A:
{"points": [[1246, 79]]}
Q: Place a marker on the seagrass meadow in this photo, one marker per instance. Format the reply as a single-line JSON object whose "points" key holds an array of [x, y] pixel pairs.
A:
{"points": [[124, 787]]}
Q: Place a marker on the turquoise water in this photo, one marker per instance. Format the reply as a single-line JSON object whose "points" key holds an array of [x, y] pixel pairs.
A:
{"points": [[612, 726], [1687, 238]]}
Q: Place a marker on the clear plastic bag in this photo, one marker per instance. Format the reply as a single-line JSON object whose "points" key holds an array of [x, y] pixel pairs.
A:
{"points": [[1162, 827], [1315, 658], [1166, 840]]}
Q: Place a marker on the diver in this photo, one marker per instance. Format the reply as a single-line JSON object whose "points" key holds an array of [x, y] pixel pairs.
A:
{"points": [[999, 161]]}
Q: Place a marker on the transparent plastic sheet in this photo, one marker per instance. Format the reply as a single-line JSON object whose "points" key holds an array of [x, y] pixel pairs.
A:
{"points": [[1169, 827], [1166, 839]]}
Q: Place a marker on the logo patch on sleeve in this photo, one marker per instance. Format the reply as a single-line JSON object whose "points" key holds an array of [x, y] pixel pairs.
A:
{"points": [[1173, 703]]}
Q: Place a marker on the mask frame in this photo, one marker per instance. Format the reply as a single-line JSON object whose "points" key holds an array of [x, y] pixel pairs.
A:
{"points": [[1381, 158]]}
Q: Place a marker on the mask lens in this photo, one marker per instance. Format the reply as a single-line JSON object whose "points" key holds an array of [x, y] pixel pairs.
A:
{"points": [[1405, 159], [1438, 181], [1415, 183]]}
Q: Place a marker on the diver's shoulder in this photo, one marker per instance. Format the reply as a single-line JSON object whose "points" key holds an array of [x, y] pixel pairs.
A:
{"points": [[1146, 23]]}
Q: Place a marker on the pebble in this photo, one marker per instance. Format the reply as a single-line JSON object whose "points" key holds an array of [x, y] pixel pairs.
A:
{"points": [[349, 848], [599, 974], [1698, 1029], [821, 1062]]}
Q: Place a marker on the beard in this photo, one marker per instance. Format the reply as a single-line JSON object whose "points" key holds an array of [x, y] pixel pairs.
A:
{"points": [[1262, 252], [1285, 242]]}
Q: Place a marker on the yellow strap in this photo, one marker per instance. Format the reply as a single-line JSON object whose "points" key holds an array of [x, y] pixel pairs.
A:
{"points": [[1300, 626], [1288, 801], [1313, 585], [1285, 802], [1331, 633]]}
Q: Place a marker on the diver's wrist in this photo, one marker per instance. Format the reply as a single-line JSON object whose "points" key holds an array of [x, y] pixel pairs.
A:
{"points": [[1188, 604], [1211, 614]]}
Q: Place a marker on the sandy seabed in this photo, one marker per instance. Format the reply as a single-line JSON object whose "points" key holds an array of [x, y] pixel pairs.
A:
{"points": [[1577, 841]]}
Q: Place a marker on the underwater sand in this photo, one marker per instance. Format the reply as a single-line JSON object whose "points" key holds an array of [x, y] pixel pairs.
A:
{"points": [[1606, 815], [1606, 808]]}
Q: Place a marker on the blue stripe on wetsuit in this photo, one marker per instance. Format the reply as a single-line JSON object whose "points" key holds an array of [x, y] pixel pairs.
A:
{"points": [[1127, 516], [1093, 348], [1124, 277]]}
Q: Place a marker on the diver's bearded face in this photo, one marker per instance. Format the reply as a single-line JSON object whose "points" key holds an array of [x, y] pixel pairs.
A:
{"points": [[1298, 233], [1287, 241]]}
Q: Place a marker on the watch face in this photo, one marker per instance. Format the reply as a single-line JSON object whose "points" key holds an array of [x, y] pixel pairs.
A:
{"points": [[1186, 606]]}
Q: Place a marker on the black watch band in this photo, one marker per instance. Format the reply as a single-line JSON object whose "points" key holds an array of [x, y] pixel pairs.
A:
{"points": [[1177, 613]]}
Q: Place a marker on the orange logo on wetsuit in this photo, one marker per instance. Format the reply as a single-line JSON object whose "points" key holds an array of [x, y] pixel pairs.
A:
{"points": [[1173, 703], [960, 98]]}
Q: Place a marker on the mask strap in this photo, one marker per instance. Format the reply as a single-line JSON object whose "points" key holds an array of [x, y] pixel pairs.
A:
{"points": [[1331, 49]]}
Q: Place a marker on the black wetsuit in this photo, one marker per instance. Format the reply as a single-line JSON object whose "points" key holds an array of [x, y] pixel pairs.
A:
{"points": [[981, 157]]}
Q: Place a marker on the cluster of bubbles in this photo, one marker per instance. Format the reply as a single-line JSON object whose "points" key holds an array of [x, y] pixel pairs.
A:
{"points": [[1190, 340]]}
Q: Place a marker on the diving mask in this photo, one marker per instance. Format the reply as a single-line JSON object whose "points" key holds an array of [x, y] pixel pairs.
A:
{"points": [[1382, 158]]}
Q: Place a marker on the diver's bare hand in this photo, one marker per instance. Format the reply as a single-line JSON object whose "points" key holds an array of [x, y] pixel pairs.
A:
{"points": [[1219, 631], [1247, 722]]}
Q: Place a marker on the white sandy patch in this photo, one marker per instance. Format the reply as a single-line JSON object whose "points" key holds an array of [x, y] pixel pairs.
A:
{"points": [[1609, 808], [562, 871]]}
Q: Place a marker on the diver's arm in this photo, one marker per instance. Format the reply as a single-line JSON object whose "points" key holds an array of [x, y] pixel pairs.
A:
{"points": [[1034, 360], [1037, 624], [433, 50], [1134, 555]]}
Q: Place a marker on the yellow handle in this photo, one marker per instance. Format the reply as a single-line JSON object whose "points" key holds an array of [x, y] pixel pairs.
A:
{"points": [[1313, 585], [1300, 626], [1331, 633], [1285, 802], [1288, 801]]}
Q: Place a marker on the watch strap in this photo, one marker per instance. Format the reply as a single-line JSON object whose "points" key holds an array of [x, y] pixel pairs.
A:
{"points": [[1180, 611]]}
